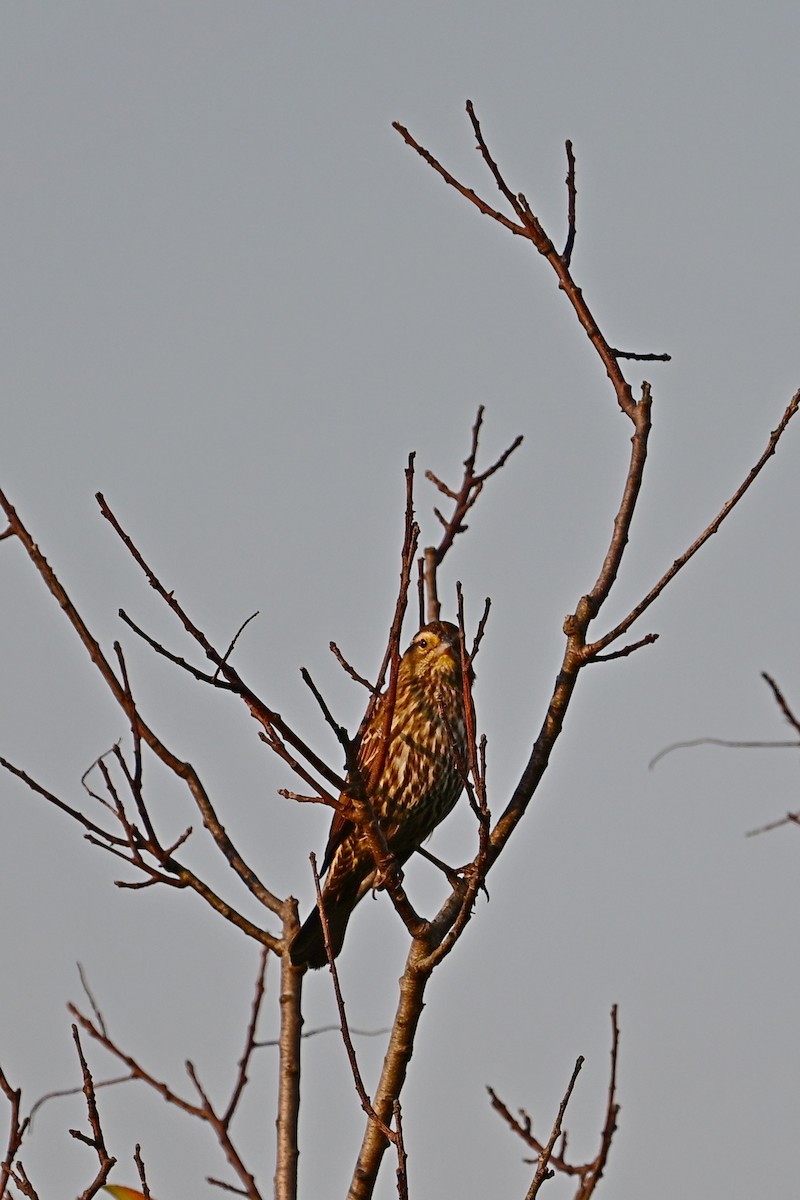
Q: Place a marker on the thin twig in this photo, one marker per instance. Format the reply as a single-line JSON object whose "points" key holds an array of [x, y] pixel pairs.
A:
{"points": [[17, 1128], [225, 1187], [309, 1033], [235, 639], [338, 805], [183, 770], [339, 730], [23, 1183], [137, 1158], [708, 532], [571, 195], [725, 742], [204, 1110], [543, 1171], [270, 720], [98, 1016], [791, 818], [480, 631], [588, 1173], [62, 1093], [351, 671], [781, 701], [518, 203], [463, 500], [366, 1103], [597, 1168], [135, 1068], [647, 640], [531, 229], [635, 356], [51, 798], [402, 1157], [249, 1186], [104, 1160], [250, 1040]]}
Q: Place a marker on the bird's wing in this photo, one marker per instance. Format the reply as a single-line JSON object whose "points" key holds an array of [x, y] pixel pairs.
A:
{"points": [[368, 762]]}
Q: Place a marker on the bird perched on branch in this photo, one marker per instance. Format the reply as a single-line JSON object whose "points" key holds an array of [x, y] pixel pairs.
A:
{"points": [[412, 782]]}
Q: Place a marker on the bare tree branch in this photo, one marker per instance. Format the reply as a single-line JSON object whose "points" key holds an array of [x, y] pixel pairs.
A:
{"points": [[235, 639], [530, 228], [427, 947], [96, 1141], [791, 818], [463, 500], [350, 1050], [137, 1158], [725, 742], [219, 1122], [782, 702], [588, 1173], [129, 832], [571, 198], [291, 998], [543, 1170], [271, 721], [17, 1127], [336, 652], [708, 532]]}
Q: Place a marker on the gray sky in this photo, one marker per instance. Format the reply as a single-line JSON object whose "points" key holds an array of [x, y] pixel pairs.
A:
{"points": [[233, 300]]}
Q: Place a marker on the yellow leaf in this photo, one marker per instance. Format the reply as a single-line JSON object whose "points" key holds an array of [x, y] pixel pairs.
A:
{"points": [[123, 1193]]}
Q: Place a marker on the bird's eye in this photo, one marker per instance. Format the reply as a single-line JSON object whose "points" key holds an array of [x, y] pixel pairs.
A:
{"points": [[422, 643]]}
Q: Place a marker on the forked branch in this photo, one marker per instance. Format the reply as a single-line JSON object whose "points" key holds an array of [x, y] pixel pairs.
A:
{"points": [[528, 226], [579, 652], [219, 1119], [463, 498], [17, 1126], [550, 1162]]}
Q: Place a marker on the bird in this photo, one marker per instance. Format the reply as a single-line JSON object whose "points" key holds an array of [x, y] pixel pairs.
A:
{"points": [[412, 784]]}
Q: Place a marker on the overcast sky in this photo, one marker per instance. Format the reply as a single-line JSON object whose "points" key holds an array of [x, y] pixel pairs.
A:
{"points": [[233, 300]]}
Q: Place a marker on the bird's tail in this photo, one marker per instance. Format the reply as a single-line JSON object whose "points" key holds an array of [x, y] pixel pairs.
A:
{"points": [[308, 947]]}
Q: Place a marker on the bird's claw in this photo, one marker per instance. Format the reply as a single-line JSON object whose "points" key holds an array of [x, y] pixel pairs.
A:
{"points": [[466, 872], [390, 874]]}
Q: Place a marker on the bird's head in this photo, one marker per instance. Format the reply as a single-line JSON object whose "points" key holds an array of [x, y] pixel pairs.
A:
{"points": [[435, 651]]}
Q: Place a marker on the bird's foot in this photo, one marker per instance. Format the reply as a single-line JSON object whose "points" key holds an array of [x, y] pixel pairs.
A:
{"points": [[391, 874]]}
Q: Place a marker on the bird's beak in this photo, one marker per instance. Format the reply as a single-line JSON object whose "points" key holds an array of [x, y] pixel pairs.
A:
{"points": [[452, 649]]}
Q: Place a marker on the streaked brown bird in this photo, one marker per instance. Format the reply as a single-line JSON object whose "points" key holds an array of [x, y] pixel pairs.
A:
{"points": [[412, 792]]}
